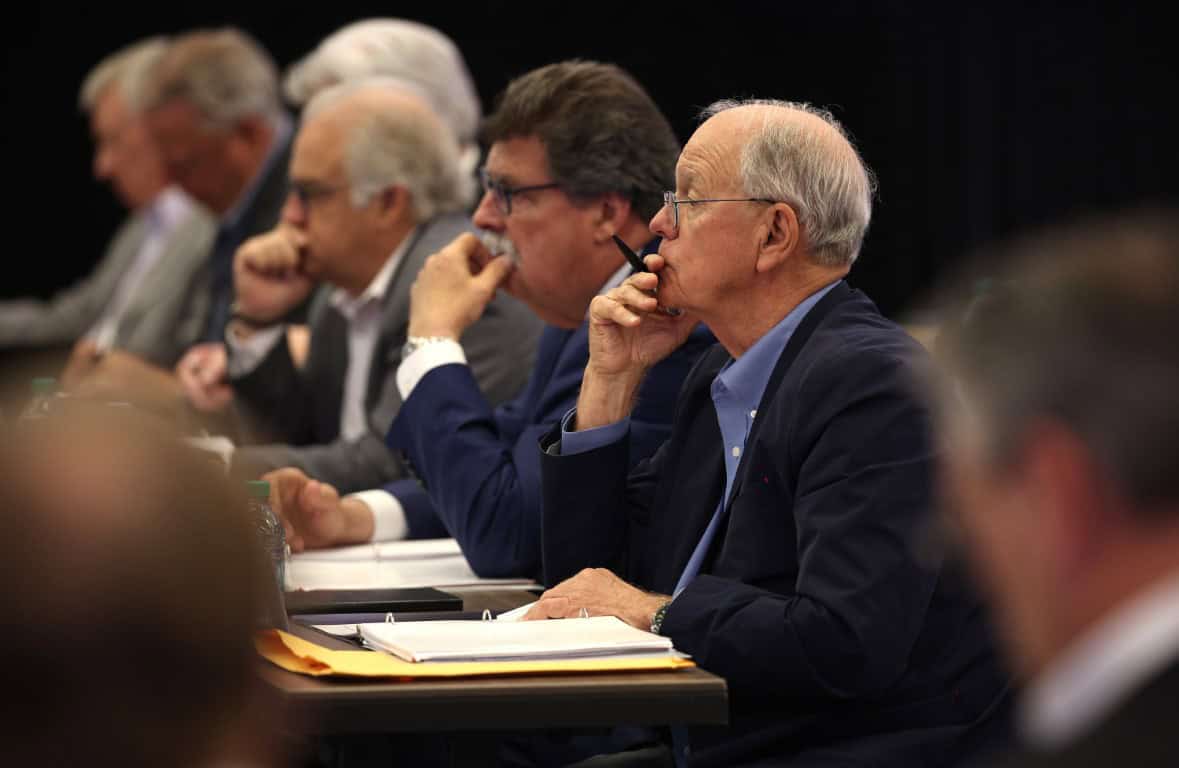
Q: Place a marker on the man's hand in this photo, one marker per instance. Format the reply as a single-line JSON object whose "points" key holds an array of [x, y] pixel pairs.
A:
{"points": [[313, 513], [454, 287], [83, 358], [268, 276], [600, 593], [628, 334], [118, 375], [203, 375]]}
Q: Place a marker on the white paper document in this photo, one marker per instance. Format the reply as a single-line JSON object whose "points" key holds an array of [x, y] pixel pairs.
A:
{"points": [[416, 549], [512, 640], [451, 571]]}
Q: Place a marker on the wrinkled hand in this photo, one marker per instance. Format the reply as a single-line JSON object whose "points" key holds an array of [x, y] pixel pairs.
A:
{"points": [[628, 334], [311, 512], [203, 375], [454, 287], [268, 276], [600, 593], [628, 331]]}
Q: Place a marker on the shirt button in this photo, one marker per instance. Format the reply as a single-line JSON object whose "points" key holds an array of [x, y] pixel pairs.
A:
{"points": [[753, 414], [736, 452]]}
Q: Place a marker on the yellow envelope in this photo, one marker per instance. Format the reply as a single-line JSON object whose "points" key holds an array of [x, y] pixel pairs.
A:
{"points": [[295, 654]]}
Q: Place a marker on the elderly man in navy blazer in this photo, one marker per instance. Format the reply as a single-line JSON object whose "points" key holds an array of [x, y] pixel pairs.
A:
{"points": [[772, 536]]}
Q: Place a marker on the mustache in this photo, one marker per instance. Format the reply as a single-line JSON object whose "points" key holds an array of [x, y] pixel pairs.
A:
{"points": [[498, 244]]}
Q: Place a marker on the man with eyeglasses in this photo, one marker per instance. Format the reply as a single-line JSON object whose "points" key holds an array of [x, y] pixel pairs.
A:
{"points": [[550, 206], [375, 188], [773, 537]]}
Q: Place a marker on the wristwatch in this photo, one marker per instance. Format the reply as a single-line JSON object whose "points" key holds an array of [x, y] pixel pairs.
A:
{"points": [[414, 343], [254, 324], [657, 619]]}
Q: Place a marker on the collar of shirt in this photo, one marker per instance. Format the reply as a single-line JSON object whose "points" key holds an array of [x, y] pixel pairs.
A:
{"points": [[283, 127], [745, 378], [169, 208], [349, 306], [1103, 668]]}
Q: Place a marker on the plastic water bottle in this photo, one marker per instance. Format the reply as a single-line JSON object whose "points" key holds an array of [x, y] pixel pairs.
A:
{"points": [[270, 530], [43, 392]]}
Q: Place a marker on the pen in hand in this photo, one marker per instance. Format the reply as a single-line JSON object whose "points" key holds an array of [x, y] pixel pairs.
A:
{"points": [[640, 266]]}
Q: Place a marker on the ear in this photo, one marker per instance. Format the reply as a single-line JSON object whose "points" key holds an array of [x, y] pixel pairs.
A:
{"points": [[778, 237], [1071, 496], [392, 204], [610, 213], [253, 131]]}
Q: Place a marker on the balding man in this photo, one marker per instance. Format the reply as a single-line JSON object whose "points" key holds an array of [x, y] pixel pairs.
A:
{"points": [[771, 537], [375, 189]]}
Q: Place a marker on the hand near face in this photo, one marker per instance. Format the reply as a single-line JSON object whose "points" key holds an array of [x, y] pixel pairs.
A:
{"points": [[268, 276], [628, 330], [600, 593], [454, 288], [628, 334]]}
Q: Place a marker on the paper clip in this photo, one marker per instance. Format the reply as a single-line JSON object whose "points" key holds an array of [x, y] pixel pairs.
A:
{"points": [[582, 613], [486, 614], [389, 618]]}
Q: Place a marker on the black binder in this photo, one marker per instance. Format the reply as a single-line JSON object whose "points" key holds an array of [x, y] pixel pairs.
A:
{"points": [[410, 600]]}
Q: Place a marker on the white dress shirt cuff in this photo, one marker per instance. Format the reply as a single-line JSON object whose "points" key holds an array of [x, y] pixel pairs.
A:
{"points": [[425, 359], [388, 516], [247, 354]]}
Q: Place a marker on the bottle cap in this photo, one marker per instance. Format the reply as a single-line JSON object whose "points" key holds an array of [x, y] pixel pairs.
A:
{"points": [[259, 489]]}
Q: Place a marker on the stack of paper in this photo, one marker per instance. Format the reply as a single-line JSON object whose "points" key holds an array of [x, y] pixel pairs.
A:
{"points": [[513, 640], [426, 563]]}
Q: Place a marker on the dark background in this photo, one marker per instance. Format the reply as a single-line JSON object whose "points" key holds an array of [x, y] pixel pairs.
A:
{"points": [[980, 119]]}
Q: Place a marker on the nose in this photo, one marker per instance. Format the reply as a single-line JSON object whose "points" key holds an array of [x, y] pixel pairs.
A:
{"points": [[487, 215], [293, 211], [102, 163], [662, 224]]}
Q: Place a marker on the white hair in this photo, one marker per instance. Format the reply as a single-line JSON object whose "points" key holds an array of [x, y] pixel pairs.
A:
{"points": [[392, 143], [396, 48], [224, 73], [128, 68], [820, 175]]}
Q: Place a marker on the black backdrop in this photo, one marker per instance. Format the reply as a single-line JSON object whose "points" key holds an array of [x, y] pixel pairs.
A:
{"points": [[980, 119]]}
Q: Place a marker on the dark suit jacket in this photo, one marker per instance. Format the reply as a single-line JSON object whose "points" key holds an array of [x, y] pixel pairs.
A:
{"points": [[839, 644], [481, 466], [1142, 733], [301, 408], [208, 305]]}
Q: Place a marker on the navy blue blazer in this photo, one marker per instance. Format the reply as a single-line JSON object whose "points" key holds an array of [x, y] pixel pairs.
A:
{"points": [[840, 645], [480, 468]]}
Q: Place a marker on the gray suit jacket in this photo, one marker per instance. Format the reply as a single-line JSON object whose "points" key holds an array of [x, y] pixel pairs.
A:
{"points": [[301, 408], [155, 325]]}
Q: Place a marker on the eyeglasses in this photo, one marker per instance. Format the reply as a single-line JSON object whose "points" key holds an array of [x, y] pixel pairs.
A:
{"points": [[308, 192], [669, 199], [502, 194]]}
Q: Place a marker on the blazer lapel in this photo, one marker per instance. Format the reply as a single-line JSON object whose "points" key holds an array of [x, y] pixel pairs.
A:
{"points": [[798, 340]]}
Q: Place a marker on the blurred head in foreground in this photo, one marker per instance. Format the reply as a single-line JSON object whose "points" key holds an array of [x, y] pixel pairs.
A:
{"points": [[1061, 410], [130, 587]]}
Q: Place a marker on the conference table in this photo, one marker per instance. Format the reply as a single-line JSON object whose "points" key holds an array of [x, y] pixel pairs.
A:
{"points": [[339, 706]]}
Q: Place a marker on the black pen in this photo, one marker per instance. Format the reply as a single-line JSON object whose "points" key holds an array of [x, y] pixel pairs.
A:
{"points": [[630, 255], [639, 266]]}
